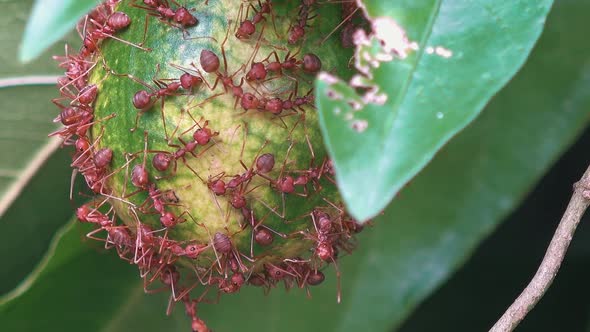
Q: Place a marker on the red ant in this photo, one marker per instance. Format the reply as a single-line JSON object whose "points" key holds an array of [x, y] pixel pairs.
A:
{"points": [[84, 96], [261, 234], [224, 246], [348, 9], [105, 29], [325, 239], [201, 137], [348, 227], [210, 63], [284, 184], [263, 163], [93, 166], [187, 80], [82, 154], [94, 169], [162, 9], [287, 184], [87, 95], [140, 179], [139, 174], [241, 181], [315, 278], [144, 100], [167, 218], [92, 215], [228, 285], [118, 236], [248, 27], [77, 121], [258, 280], [310, 64], [217, 185], [277, 273], [99, 14], [162, 159], [313, 173], [197, 324], [305, 274], [276, 105], [74, 115], [145, 242], [297, 31], [77, 69], [157, 198]]}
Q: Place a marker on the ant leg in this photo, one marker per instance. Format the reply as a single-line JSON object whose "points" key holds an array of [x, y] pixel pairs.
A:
{"points": [[218, 260], [177, 127], [272, 209], [257, 47], [91, 235], [137, 116], [344, 21], [338, 281], [223, 48], [269, 55], [147, 49]]}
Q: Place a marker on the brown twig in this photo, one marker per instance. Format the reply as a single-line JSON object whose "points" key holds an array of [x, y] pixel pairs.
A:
{"points": [[552, 261]]}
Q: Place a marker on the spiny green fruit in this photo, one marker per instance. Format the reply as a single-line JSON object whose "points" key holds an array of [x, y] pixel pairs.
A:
{"points": [[197, 133]]}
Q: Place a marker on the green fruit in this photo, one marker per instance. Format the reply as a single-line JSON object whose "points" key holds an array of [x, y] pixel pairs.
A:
{"points": [[288, 242]]}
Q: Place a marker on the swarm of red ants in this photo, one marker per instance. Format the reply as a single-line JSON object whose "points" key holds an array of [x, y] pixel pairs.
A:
{"points": [[263, 203]]}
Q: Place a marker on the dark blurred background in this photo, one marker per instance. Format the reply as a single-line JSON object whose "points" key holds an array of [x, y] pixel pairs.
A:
{"points": [[477, 295]]}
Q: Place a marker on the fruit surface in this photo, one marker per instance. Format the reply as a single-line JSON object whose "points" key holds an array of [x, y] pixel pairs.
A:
{"points": [[242, 135], [205, 141]]}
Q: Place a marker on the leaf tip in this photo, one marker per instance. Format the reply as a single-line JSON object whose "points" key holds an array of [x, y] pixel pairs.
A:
{"points": [[26, 54], [364, 210]]}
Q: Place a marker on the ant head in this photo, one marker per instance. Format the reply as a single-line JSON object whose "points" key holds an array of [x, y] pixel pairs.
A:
{"points": [[142, 99]]}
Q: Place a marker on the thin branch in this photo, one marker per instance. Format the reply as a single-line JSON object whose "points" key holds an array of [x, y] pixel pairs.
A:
{"points": [[9, 82], [27, 174], [552, 261]]}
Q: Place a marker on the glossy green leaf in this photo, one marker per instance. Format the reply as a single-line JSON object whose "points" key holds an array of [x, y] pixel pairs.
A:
{"points": [[476, 180], [33, 190], [466, 52], [50, 21]]}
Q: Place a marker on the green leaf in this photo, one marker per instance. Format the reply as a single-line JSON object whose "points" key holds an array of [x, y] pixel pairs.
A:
{"points": [[29, 184], [467, 52], [29, 223], [50, 21], [50, 290], [33, 189], [476, 180]]}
